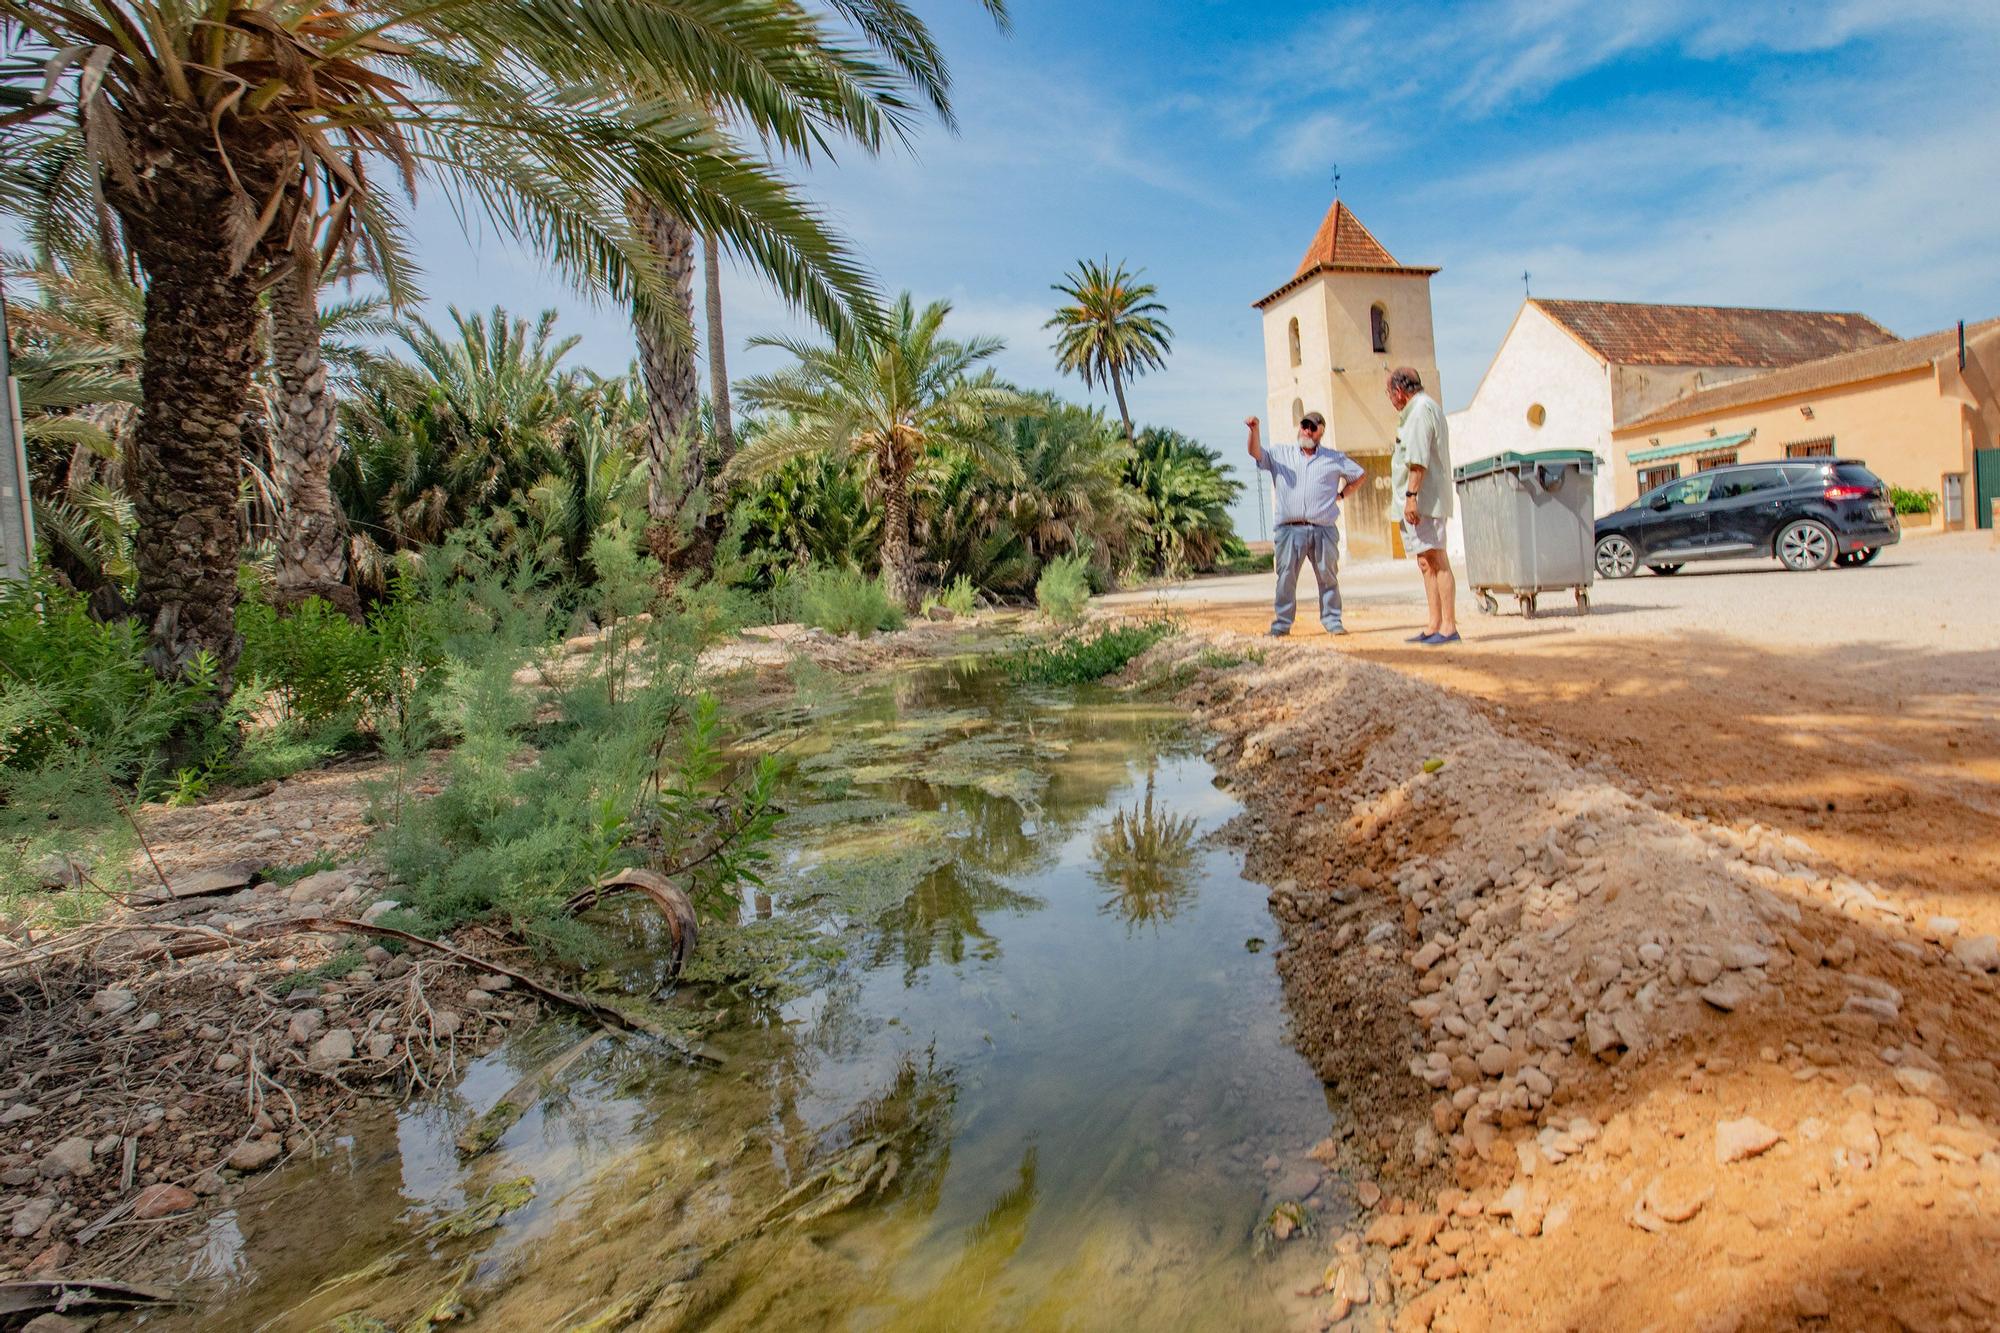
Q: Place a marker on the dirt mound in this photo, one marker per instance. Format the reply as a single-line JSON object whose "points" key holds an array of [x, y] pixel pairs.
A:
{"points": [[1628, 1039]]}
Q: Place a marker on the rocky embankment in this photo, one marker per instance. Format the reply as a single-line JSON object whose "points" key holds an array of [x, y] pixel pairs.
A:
{"points": [[1614, 1068]]}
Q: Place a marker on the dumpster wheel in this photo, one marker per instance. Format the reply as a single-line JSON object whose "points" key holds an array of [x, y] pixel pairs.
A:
{"points": [[1583, 601], [1527, 600], [1489, 605]]}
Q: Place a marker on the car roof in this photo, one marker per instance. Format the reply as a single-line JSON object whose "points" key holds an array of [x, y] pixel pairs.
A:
{"points": [[1820, 459]]}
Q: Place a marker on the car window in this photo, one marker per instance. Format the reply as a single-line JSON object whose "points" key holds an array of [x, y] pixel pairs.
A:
{"points": [[1747, 482], [1687, 491], [1853, 474], [1805, 474]]}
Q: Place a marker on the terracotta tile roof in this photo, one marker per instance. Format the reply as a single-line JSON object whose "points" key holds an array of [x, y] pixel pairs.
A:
{"points": [[1828, 372], [1343, 243], [1629, 334]]}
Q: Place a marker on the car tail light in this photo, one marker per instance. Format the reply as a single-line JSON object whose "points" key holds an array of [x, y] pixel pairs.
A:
{"points": [[1846, 492]]}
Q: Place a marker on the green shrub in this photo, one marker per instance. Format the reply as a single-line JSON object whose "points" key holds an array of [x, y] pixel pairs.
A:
{"points": [[959, 596], [1087, 657], [1063, 590], [319, 666], [1912, 502], [846, 601]]}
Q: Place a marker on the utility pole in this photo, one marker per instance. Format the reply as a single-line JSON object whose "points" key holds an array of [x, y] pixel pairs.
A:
{"points": [[17, 512]]}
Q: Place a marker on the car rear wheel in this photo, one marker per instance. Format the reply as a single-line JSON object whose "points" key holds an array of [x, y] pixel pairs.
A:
{"points": [[1861, 557], [1615, 557], [1806, 545], [1664, 569]]}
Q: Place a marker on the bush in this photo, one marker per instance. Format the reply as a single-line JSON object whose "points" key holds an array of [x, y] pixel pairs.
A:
{"points": [[1063, 590], [1912, 502], [319, 666], [846, 601], [959, 597], [1087, 657]]}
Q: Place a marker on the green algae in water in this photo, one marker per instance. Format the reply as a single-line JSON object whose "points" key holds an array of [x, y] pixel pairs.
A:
{"points": [[777, 958], [847, 810]]}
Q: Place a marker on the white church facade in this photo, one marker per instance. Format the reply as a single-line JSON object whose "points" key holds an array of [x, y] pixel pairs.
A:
{"points": [[1569, 372], [1331, 335]]}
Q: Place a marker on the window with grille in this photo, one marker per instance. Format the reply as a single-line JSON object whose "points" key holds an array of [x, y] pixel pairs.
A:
{"points": [[1708, 461], [1819, 448], [1649, 477]]}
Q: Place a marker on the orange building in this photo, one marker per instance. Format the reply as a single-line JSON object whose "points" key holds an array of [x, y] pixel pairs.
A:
{"points": [[1923, 413]]}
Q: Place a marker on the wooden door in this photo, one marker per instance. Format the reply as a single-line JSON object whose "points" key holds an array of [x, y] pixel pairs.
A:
{"points": [[1366, 513]]}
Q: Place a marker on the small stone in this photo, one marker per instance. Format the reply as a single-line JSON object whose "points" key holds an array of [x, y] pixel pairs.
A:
{"points": [[254, 1155], [1702, 969], [162, 1200], [71, 1157], [1809, 1302], [1740, 956], [1617, 1136], [112, 1000], [335, 1046], [1368, 1194], [105, 1146], [478, 999], [1980, 953], [376, 911], [32, 1216], [1921, 1082], [1736, 1140], [381, 1046], [305, 1025], [1872, 1006], [1726, 994], [147, 1022], [18, 1112], [1600, 1033], [227, 1061]]}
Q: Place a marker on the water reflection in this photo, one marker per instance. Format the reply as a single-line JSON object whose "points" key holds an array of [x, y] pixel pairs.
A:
{"points": [[961, 1087], [1145, 858]]}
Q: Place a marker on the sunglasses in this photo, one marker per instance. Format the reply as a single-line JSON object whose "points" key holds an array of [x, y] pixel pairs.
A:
{"points": [[1314, 427]]}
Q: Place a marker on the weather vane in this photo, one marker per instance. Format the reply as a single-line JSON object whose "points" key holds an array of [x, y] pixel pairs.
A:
{"points": [[1524, 283], [1336, 180]]}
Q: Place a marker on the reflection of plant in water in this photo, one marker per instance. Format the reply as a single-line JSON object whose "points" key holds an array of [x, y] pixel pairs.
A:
{"points": [[1143, 858], [941, 915]]}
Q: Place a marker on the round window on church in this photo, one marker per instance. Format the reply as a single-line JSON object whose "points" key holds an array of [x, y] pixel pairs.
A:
{"points": [[1537, 414]]}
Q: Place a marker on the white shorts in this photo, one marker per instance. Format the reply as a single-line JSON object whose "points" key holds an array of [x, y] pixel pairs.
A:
{"points": [[1426, 534]]}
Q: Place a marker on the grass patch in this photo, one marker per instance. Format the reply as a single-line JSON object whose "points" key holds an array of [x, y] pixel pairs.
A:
{"points": [[285, 876], [846, 601], [1087, 657], [1063, 590]]}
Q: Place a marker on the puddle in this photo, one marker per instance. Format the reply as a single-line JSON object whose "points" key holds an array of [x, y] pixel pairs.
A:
{"points": [[999, 1053]]}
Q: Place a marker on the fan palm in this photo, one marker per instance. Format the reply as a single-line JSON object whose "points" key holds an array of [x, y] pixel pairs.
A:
{"points": [[886, 401], [226, 140], [1072, 495], [1111, 330]]}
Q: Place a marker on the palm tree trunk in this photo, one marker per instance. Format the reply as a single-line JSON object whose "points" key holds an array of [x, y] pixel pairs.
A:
{"points": [[199, 351], [312, 532], [718, 361], [899, 576], [673, 393], [1124, 412]]}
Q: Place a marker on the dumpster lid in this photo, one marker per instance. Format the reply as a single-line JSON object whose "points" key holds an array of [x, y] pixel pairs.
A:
{"points": [[1510, 460]]}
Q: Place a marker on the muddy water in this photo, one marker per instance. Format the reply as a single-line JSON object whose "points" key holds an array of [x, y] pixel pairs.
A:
{"points": [[1001, 1050]]}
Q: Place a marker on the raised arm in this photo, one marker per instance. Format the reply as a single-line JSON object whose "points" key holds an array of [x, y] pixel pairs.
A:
{"points": [[1255, 452]]}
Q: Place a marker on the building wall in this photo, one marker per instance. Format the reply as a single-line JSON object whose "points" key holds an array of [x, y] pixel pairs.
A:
{"points": [[1538, 365], [1907, 431], [1638, 391]]}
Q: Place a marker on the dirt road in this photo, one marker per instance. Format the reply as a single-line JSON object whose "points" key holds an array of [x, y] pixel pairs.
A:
{"points": [[1686, 942]]}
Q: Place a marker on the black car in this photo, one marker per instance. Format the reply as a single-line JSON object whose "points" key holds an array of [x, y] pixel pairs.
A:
{"points": [[1807, 513]]}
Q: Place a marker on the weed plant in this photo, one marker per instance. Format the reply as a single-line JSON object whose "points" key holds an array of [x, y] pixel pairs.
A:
{"points": [[1063, 591], [846, 601], [1086, 657]]}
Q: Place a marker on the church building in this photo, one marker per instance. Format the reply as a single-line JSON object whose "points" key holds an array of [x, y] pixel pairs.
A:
{"points": [[1331, 335]]}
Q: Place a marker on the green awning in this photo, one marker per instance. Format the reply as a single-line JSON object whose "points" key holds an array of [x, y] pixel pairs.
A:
{"points": [[1707, 446]]}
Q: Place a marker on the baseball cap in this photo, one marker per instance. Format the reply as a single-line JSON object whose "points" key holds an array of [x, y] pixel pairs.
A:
{"points": [[1313, 419]]}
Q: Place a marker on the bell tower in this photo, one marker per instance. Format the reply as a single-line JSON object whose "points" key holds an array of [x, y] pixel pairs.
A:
{"points": [[1331, 335]]}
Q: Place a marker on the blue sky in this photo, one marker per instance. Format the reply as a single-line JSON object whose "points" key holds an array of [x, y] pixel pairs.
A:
{"points": [[1833, 154]]}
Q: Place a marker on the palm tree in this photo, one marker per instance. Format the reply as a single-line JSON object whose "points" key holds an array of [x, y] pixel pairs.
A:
{"points": [[885, 401], [1111, 330], [1072, 494], [214, 134], [683, 505], [1184, 496]]}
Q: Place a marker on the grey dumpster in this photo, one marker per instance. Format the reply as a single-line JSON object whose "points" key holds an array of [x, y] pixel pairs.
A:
{"points": [[1529, 526]]}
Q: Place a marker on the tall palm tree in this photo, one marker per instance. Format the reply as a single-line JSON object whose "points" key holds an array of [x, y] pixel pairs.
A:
{"points": [[215, 133], [891, 31], [885, 401], [1111, 330]]}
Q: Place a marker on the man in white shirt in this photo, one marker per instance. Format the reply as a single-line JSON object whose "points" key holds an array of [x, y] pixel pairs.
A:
{"points": [[1420, 477], [1308, 481]]}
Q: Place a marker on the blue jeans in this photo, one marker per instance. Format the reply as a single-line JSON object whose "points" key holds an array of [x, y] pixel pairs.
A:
{"points": [[1296, 544]]}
